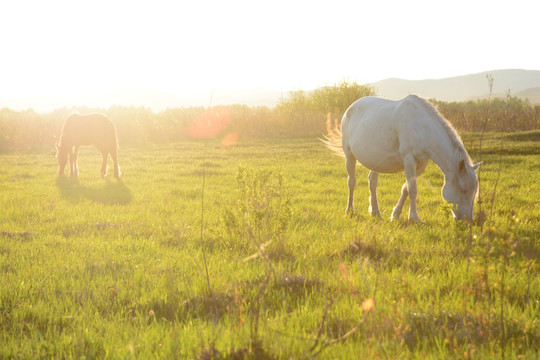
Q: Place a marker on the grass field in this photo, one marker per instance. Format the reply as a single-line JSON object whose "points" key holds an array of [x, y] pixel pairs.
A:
{"points": [[101, 268]]}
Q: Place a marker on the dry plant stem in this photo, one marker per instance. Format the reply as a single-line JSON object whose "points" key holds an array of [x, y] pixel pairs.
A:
{"points": [[261, 251], [255, 310], [341, 338], [505, 257], [202, 224], [496, 181], [255, 307], [490, 80], [202, 213], [503, 331], [321, 326]]}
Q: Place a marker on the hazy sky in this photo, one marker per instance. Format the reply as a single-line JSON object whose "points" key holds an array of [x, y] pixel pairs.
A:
{"points": [[57, 47]]}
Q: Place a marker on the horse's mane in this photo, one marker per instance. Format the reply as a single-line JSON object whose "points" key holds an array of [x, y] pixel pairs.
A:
{"points": [[447, 126]]}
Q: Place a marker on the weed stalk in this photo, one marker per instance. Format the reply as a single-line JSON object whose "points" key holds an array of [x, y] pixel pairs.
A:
{"points": [[205, 263]]}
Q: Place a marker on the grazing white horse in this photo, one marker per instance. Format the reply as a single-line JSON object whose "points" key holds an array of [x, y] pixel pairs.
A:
{"points": [[392, 136]]}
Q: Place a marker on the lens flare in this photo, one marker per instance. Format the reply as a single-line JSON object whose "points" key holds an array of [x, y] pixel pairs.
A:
{"points": [[230, 139], [210, 123], [368, 304]]}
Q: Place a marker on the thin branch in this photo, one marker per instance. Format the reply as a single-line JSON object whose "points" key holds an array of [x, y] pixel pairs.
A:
{"points": [[351, 332], [321, 326]]}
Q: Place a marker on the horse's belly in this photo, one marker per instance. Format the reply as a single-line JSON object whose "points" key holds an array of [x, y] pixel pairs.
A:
{"points": [[382, 163], [377, 152]]}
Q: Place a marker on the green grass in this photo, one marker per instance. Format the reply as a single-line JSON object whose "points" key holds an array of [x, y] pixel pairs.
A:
{"points": [[102, 268]]}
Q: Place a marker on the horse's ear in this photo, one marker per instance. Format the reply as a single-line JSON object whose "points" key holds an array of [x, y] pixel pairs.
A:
{"points": [[475, 167]]}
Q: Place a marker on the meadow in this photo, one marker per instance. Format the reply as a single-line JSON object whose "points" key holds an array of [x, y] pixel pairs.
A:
{"points": [[267, 265]]}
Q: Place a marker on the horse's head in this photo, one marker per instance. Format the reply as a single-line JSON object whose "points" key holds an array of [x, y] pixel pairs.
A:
{"points": [[460, 189], [62, 155]]}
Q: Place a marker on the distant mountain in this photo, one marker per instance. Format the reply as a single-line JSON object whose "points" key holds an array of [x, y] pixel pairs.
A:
{"points": [[522, 83], [533, 94]]}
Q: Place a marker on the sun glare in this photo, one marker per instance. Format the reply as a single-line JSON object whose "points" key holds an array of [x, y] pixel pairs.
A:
{"points": [[210, 124], [230, 139]]}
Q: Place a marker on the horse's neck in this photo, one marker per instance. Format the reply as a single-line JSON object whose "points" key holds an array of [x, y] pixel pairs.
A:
{"points": [[442, 152]]}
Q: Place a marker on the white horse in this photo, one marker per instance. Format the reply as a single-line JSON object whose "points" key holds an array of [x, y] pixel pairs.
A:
{"points": [[391, 136]]}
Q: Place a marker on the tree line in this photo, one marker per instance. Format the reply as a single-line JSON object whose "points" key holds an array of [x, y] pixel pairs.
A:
{"points": [[298, 113]]}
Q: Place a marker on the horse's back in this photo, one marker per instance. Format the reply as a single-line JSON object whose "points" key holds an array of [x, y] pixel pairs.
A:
{"points": [[372, 114], [89, 129], [379, 112], [377, 129]]}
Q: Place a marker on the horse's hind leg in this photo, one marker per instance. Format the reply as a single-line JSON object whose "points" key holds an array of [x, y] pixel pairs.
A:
{"points": [[373, 178], [410, 172], [350, 164]]}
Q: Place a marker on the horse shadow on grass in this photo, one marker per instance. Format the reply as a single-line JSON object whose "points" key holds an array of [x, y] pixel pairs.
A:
{"points": [[111, 192]]}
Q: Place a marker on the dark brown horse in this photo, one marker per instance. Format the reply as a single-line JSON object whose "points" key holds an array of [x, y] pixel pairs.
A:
{"points": [[87, 130]]}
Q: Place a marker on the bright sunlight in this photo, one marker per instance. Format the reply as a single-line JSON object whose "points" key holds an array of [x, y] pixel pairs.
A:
{"points": [[65, 53]]}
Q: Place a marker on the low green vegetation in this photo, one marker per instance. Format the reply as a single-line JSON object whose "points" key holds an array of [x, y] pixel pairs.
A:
{"points": [[106, 268]]}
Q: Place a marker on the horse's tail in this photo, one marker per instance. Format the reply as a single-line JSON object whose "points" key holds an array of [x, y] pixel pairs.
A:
{"points": [[333, 138]]}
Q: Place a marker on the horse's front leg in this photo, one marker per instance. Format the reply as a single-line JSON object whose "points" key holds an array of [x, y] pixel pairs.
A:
{"points": [[373, 179], [410, 173], [396, 213]]}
